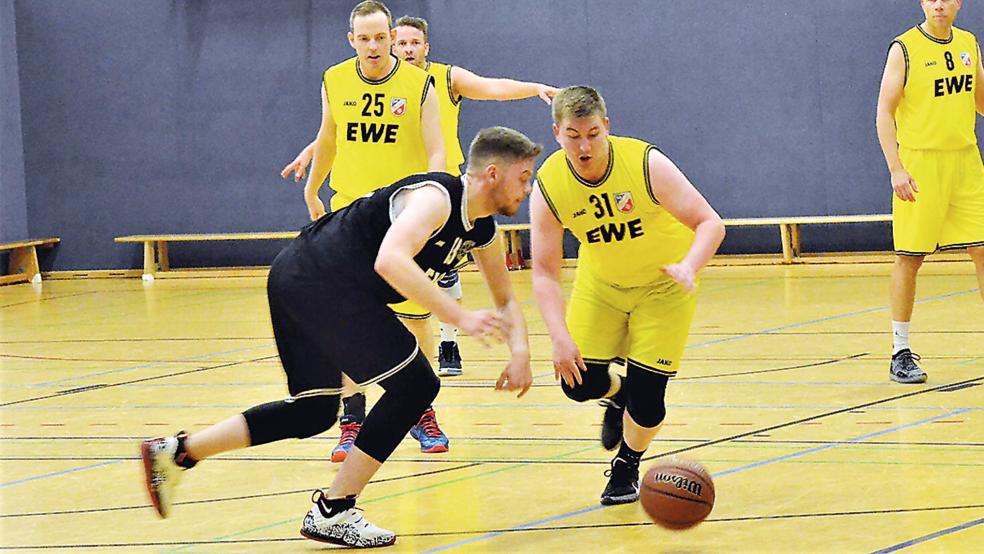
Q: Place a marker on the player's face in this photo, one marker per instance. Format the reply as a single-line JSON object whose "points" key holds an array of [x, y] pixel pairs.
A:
{"points": [[585, 142], [512, 186], [411, 45], [372, 38], [941, 12]]}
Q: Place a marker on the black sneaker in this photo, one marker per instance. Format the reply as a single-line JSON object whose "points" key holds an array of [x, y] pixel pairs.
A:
{"points": [[623, 483], [611, 424], [904, 368], [449, 359]]}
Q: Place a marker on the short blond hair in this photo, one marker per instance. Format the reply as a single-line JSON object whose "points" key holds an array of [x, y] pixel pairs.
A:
{"points": [[502, 145], [576, 102], [369, 7]]}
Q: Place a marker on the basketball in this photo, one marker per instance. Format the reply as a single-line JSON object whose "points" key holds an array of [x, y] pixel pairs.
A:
{"points": [[677, 493]]}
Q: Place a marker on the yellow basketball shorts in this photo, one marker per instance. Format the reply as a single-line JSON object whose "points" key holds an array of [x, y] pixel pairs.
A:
{"points": [[647, 325], [948, 213], [405, 309]]}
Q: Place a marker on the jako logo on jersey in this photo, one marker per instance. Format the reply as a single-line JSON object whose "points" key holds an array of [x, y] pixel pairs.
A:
{"points": [[581, 212], [623, 201], [965, 58], [398, 106]]}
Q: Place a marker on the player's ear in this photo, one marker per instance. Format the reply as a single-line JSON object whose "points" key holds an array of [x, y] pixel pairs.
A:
{"points": [[556, 131], [606, 124], [491, 171], [351, 39], [393, 34]]}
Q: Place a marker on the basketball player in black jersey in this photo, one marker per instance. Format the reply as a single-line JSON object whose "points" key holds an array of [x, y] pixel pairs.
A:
{"points": [[328, 293]]}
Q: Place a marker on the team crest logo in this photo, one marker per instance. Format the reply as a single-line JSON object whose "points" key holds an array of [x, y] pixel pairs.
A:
{"points": [[398, 106], [623, 201], [965, 58]]}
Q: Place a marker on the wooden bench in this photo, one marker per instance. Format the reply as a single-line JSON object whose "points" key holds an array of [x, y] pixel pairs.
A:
{"points": [[155, 246], [23, 266], [789, 232]]}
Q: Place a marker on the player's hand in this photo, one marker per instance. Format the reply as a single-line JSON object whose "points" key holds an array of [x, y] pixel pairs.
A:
{"points": [[567, 361], [316, 208], [546, 93], [516, 376], [298, 167], [683, 274], [904, 186], [484, 325]]}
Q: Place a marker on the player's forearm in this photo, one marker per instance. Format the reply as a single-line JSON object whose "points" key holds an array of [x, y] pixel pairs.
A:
{"points": [[321, 163], [505, 89], [708, 236], [888, 138], [518, 337], [437, 161], [408, 279], [549, 296]]}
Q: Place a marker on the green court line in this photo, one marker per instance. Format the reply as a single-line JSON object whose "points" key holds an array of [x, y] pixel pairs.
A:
{"points": [[411, 491]]}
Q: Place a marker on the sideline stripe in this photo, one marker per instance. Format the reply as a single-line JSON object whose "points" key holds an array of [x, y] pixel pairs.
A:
{"points": [[46, 475], [930, 536]]}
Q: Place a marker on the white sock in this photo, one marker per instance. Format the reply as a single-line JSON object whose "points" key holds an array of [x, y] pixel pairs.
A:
{"points": [[900, 336], [449, 333]]}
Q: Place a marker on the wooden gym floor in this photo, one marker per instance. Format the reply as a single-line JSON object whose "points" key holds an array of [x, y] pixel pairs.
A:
{"points": [[784, 396]]}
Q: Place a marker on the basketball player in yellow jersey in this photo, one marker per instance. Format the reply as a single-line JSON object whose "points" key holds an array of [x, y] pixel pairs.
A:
{"points": [[645, 233], [452, 83], [380, 122], [927, 110]]}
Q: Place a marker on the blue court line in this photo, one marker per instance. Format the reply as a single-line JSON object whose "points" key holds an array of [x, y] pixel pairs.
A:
{"points": [[930, 536], [716, 475], [46, 475], [143, 366]]}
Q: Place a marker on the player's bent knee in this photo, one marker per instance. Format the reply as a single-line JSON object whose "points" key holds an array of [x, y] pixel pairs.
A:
{"points": [[646, 402], [594, 384], [293, 418]]}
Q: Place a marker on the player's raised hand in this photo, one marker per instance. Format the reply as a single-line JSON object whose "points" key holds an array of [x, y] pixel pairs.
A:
{"points": [[904, 186], [567, 361], [683, 274], [546, 93], [299, 166], [484, 325], [516, 376]]}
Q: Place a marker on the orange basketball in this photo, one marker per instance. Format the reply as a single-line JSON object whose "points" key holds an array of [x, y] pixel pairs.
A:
{"points": [[677, 493]]}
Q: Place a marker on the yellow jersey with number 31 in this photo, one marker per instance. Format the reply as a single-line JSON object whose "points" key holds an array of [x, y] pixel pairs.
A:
{"points": [[626, 236], [378, 133], [938, 110]]}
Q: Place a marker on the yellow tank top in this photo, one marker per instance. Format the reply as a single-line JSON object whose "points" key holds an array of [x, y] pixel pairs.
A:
{"points": [[378, 137], [450, 106], [937, 110], [626, 236]]}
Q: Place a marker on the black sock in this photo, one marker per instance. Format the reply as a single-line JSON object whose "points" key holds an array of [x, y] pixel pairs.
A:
{"points": [[181, 456], [331, 507], [353, 409], [630, 456]]}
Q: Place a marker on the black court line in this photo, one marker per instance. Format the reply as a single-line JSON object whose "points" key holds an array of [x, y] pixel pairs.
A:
{"points": [[757, 371], [49, 298], [232, 498], [109, 385], [812, 418], [489, 531]]}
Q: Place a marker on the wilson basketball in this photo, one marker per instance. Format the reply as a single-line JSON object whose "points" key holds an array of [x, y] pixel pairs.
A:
{"points": [[677, 493]]}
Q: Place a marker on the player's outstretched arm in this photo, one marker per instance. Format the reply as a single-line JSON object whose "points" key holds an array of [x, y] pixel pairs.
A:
{"points": [[469, 85], [324, 157], [426, 210], [889, 96], [679, 197], [300, 164], [517, 375], [547, 244], [430, 127]]}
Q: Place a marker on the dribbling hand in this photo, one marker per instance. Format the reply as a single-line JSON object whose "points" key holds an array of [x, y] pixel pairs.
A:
{"points": [[484, 325], [516, 376]]}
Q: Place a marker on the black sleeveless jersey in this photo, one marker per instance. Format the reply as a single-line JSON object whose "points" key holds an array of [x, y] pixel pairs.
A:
{"points": [[341, 247]]}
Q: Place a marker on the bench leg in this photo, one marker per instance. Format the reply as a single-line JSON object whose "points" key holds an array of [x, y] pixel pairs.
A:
{"points": [[794, 238], [24, 261], [787, 248], [150, 261], [162, 258]]}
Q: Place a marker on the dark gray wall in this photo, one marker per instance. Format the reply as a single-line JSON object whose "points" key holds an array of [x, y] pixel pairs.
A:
{"points": [[151, 116], [13, 204]]}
